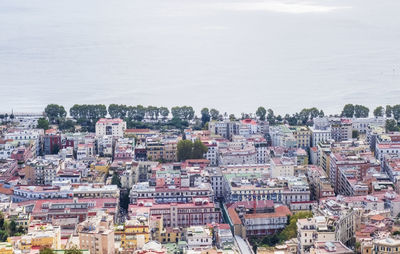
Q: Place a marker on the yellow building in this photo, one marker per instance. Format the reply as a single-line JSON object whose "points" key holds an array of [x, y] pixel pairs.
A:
{"points": [[170, 235], [39, 236], [387, 245], [134, 233], [6, 248], [101, 165], [158, 149], [302, 135]]}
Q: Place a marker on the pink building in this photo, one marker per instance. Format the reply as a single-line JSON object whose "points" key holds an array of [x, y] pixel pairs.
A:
{"points": [[200, 212]]}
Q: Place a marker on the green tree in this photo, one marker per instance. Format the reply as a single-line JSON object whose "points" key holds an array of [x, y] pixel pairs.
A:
{"points": [[214, 114], [43, 123], [88, 115], [117, 111], [391, 125], [290, 230], [66, 125], [378, 111], [2, 221], [199, 149], [46, 250], [271, 117], [55, 112], [205, 115], [261, 112], [232, 117], [73, 250], [3, 235], [12, 227], [152, 112], [396, 112], [355, 134], [164, 112], [348, 110], [21, 229], [361, 111], [115, 180], [190, 150], [388, 111], [184, 148]]}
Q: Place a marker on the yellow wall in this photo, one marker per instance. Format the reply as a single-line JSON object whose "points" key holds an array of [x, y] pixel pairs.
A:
{"points": [[129, 236]]}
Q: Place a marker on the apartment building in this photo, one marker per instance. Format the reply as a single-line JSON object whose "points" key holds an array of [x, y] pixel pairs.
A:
{"points": [[110, 127], [341, 129], [313, 230], [226, 129], [134, 233], [199, 238], [170, 194], [302, 134], [96, 234], [40, 235], [27, 136], [198, 212], [364, 161], [52, 142], [45, 170], [282, 167], [258, 218]]}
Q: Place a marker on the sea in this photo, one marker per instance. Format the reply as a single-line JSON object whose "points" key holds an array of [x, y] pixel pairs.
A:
{"points": [[233, 55]]}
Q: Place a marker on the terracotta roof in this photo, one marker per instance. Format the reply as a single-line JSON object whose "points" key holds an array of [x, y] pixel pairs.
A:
{"points": [[224, 226], [377, 217], [6, 191], [280, 211], [137, 130], [234, 216], [250, 204]]}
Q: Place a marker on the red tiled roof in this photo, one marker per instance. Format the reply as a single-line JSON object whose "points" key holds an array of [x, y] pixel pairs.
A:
{"points": [[137, 130], [280, 211], [377, 217], [234, 216], [109, 120], [6, 191], [250, 204], [224, 226]]}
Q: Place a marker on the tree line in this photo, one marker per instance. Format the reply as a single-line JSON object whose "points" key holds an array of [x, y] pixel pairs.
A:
{"points": [[87, 115]]}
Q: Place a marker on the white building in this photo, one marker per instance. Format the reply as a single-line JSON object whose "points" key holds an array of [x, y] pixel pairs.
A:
{"points": [[361, 124], [27, 136], [282, 167], [110, 127], [382, 149], [6, 148], [311, 230], [212, 153], [320, 135], [237, 155], [198, 238], [225, 129], [85, 151]]}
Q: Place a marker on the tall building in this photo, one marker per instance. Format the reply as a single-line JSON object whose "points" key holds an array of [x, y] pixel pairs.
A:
{"points": [[110, 127], [51, 142], [311, 230], [96, 234], [282, 167], [225, 129]]}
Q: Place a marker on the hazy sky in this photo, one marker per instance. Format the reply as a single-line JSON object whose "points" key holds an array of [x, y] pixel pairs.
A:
{"points": [[232, 55]]}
